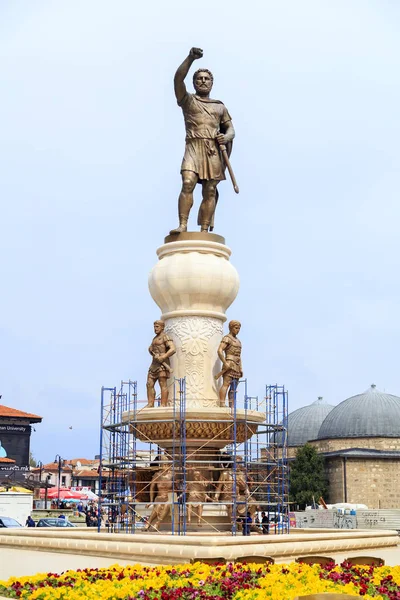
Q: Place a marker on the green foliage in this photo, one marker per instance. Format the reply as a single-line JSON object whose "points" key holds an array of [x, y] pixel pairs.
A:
{"points": [[307, 477], [32, 460]]}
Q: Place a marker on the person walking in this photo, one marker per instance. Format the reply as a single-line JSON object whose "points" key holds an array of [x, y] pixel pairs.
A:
{"points": [[265, 523]]}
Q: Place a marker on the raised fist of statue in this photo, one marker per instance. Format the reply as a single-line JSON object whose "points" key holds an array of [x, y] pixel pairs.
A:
{"points": [[195, 53]]}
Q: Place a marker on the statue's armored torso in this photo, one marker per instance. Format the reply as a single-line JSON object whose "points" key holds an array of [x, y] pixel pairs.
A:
{"points": [[197, 490], [159, 345], [164, 485], [203, 116], [203, 120], [233, 355]]}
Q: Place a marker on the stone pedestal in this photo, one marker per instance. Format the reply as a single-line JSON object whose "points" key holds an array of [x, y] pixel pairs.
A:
{"points": [[193, 284]]}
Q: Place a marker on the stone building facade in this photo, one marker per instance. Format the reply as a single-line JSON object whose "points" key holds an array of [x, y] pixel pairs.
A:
{"points": [[360, 441], [360, 477]]}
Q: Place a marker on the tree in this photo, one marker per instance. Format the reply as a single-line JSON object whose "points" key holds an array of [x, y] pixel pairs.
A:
{"points": [[32, 460], [307, 477]]}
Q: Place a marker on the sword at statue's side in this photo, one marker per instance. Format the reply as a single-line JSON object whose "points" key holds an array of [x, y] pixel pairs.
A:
{"points": [[218, 375], [229, 167], [163, 364]]}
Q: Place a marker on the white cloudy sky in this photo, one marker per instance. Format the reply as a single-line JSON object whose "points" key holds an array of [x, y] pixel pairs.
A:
{"points": [[90, 150]]}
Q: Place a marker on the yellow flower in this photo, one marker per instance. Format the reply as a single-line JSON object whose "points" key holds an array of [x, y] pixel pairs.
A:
{"points": [[276, 582]]}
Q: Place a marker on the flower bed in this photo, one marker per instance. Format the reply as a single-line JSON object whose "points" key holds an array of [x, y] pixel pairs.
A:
{"points": [[205, 582]]}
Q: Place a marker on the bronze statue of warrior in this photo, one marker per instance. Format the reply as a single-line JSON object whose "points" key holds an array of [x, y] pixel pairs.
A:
{"points": [[227, 483], [197, 486], [230, 353], [208, 128], [161, 348], [160, 489]]}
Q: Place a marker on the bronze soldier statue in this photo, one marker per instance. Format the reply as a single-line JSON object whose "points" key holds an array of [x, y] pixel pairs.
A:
{"points": [[230, 353], [196, 494], [161, 348], [225, 489], [160, 488], [208, 126]]}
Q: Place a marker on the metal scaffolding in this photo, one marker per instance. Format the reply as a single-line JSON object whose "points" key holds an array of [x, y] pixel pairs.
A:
{"points": [[252, 462], [117, 472]]}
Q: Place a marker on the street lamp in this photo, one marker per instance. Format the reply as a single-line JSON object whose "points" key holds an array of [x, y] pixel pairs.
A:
{"points": [[40, 466], [60, 462]]}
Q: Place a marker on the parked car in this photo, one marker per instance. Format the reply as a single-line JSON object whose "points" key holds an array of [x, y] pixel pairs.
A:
{"points": [[54, 523], [9, 522]]}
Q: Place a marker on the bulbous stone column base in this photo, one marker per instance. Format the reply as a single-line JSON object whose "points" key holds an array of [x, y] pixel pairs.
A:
{"points": [[193, 284]]}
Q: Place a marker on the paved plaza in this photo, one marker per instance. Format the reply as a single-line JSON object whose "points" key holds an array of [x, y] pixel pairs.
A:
{"points": [[16, 563]]}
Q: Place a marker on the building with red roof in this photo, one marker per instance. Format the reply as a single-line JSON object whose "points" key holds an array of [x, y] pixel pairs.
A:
{"points": [[15, 434], [78, 472], [6, 412]]}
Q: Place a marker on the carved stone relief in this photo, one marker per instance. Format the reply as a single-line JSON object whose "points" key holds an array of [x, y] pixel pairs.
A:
{"points": [[196, 339]]}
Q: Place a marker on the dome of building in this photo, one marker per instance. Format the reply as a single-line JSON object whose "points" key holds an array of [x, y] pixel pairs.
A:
{"points": [[371, 414], [304, 423]]}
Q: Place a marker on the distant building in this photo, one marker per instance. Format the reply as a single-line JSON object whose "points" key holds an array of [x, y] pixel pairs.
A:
{"points": [[74, 472], [86, 473], [49, 473], [360, 441], [15, 435], [304, 424]]}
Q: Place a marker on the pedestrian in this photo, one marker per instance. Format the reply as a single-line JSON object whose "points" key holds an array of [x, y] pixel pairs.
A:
{"points": [[265, 523], [247, 522], [30, 522]]}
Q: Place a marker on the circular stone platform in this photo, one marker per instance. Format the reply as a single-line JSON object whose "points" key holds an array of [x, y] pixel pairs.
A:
{"points": [[156, 549], [194, 235]]}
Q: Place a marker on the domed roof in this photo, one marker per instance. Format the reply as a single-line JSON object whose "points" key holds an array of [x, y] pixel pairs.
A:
{"points": [[371, 414], [304, 423]]}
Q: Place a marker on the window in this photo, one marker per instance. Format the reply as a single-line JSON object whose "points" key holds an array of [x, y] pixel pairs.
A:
{"points": [[63, 480]]}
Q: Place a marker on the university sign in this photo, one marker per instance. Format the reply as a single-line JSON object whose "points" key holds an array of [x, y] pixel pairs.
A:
{"points": [[15, 429]]}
